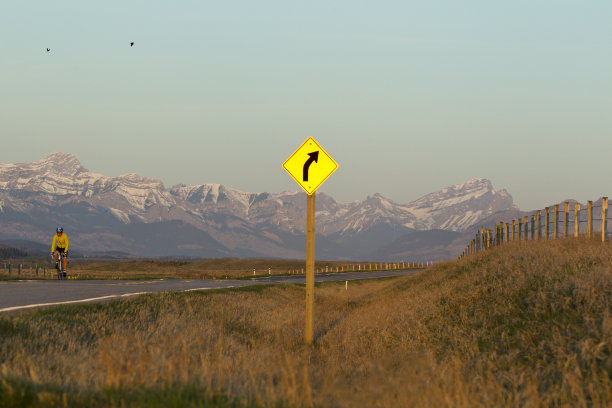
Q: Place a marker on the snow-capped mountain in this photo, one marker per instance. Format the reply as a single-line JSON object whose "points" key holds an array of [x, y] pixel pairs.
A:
{"points": [[457, 207], [140, 215]]}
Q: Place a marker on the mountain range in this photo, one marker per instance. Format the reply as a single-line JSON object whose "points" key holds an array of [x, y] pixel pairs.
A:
{"points": [[141, 216]]}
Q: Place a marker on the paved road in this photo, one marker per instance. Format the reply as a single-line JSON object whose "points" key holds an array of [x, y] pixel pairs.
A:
{"points": [[26, 294]]}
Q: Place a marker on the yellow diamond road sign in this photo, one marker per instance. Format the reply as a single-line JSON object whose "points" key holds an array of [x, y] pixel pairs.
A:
{"points": [[310, 165]]}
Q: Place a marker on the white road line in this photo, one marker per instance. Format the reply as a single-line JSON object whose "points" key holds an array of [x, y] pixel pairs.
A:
{"points": [[220, 287], [8, 309]]}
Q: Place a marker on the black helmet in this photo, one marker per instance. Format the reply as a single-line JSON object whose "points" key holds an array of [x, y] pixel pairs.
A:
{"points": [[59, 229]]}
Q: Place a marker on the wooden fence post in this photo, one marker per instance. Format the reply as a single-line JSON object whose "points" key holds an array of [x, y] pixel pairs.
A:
{"points": [[482, 239], [513, 221], [520, 228], [590, 219], [533, 237], [507, 232], [501, 232], [546, 218], [576, 219], [556, 217], [604, 214], [526, 228], [496, 235], [538, 213], [565, 219]]}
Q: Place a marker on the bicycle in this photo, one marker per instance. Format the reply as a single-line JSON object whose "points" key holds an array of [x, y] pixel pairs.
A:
{"points": [[59, 265]]}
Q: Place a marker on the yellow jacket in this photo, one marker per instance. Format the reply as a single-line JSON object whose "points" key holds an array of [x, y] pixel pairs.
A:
{"points": [[62, 242]]}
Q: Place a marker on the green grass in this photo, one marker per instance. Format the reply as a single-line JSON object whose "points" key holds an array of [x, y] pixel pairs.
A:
{"points": [[17, 393]]}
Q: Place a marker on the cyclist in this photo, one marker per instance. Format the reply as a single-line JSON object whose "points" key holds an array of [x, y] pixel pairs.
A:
{"points": [[61, 240]]}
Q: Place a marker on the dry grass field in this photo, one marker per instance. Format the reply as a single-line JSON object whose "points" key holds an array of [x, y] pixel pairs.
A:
{"points": [[526, 325]]}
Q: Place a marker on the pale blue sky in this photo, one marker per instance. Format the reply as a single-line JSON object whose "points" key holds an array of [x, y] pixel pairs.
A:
{"points": [[408, 97]]}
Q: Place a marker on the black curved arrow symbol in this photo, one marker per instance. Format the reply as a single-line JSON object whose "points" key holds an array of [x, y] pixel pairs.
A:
{"points": [[314, 157]]}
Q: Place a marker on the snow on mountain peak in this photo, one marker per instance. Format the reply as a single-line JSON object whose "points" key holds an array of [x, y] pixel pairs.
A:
{"points": [[377, 200], [60, 175], [473, 188], [460, 205], [65, 164], [474, 183], [60, 164], [211, 194]]}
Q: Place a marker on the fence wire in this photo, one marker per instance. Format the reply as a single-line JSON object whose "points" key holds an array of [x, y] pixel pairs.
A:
{"points": [[531, 227]]}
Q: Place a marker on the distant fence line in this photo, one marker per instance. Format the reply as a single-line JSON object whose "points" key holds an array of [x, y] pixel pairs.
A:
{"points": [[538, 225], [31, 270], [35, 271], [359, 267], [368, 267]]}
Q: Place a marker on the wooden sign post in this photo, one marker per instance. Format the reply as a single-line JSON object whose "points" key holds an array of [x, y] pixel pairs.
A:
{"points": [[310, 166], [310, 263]]}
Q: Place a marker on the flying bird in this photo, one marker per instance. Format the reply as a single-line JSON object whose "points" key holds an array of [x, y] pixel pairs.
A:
{"points": [[48, 49], [132, 44]]}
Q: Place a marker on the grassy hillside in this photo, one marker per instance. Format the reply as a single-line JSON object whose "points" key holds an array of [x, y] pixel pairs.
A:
{"points": [[522, 325]]}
